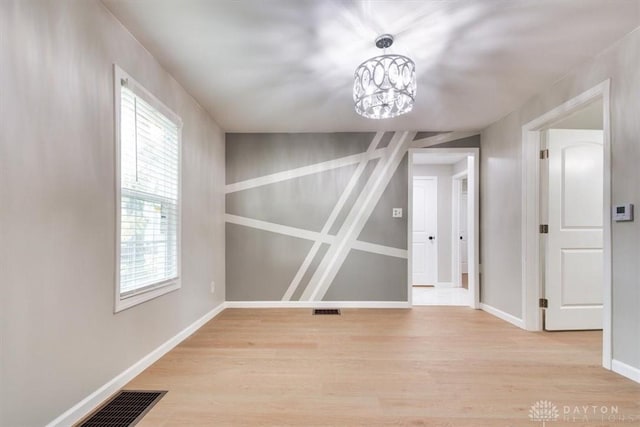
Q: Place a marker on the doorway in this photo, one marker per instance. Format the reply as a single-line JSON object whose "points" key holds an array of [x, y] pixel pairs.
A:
{"points": [[443, 226], [567, 218]]}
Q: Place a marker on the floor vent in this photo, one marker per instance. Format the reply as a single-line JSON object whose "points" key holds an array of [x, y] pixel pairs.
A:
{"points": [[326, 311], [126, 409]]}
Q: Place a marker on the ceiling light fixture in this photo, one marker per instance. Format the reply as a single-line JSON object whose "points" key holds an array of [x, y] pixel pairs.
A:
{"points": [[385, 86]]}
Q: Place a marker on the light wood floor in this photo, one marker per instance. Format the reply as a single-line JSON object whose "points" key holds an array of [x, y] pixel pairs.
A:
{"points": [[428, 366]]}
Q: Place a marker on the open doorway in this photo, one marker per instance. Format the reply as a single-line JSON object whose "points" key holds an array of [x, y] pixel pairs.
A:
{"points": [[443, 226], [567, 218]]}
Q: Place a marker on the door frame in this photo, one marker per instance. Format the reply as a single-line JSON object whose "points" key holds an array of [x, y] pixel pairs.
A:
{"points": [[532, 266], [473, 233], [456, 191], [410, 219]]}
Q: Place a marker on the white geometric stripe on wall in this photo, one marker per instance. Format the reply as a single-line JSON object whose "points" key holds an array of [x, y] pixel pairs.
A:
{"points": [[368, 195]]}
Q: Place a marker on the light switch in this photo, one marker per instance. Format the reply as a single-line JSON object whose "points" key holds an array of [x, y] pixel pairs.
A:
{"points": [[397, 213]]}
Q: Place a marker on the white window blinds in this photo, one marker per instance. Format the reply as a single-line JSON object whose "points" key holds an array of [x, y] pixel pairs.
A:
{"points": [[149, 195]]}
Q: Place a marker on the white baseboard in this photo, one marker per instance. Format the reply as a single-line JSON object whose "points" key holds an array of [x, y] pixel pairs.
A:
{"points": [[318, 304], [89, 403], [625, 370], [502, 315]]}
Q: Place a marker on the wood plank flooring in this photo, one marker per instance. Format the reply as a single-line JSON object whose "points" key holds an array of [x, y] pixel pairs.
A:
{"points": [[428, 366]]}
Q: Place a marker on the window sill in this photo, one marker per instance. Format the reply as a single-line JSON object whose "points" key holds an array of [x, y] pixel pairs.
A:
{"points": [[133, 300]]}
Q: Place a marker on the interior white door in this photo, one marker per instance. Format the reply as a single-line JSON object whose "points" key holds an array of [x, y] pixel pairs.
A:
{"points": [[574, 260], [464, 242], [424, 249]]}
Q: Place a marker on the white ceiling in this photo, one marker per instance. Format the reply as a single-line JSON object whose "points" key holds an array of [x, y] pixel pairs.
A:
{"points": [[287, 65]]}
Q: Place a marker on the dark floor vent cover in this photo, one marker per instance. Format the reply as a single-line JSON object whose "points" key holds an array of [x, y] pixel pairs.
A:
{"points": [[126, 409], [326, 311]]}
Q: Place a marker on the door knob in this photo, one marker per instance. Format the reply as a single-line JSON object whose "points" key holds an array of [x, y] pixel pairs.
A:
{"points": [[431, 238]]}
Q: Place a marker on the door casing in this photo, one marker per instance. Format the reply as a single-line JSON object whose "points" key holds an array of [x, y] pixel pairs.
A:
{"points": [[473, 191], [531, 257]]}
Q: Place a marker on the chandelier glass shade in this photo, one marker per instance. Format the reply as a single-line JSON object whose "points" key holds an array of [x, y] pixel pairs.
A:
{"points": [[385, 86]]}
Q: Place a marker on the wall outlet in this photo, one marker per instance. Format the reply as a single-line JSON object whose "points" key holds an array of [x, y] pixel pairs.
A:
{"points": [[396, 213], [213, 287]]}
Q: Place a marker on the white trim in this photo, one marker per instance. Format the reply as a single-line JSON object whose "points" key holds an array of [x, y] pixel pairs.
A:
{"points": [[305, 170], [379, 249], [473, 231], [89, 403], [317, 304], [531, 268], [120, 303], [295, 282], [456, 192], [625, 370], [445, 285], [279, 228], [357, 217], [442, 138], [502, 315]]}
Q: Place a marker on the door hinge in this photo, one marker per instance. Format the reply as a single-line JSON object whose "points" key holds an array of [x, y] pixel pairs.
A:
{"points": [[543, 303], [544, 229], [544, 154]]}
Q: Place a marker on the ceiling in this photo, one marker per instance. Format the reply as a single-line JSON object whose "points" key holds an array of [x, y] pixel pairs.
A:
{"points": [[287, 65]]}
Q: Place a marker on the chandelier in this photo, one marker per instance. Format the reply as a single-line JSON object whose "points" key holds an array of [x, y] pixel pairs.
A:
{"points": [[385, 86]]}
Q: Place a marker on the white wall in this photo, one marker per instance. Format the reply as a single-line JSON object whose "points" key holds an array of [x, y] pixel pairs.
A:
{"points": [[501, 170], [60, 338], [461, 166], [444, 174]]}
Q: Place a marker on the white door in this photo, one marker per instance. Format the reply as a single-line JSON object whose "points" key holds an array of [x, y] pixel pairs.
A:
{"points": [[424, 250], [574, 262], [464, 263]]}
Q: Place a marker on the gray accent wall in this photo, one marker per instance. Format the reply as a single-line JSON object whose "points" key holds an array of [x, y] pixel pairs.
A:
{"points": [[262, 264], [370, 274], [308, 211], [278, 230], [279, 152], [501, 193], [267, 263], [381, 228], [60, 340]]}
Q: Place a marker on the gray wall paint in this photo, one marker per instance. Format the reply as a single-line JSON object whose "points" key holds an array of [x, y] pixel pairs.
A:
{"points": [[259, 265], [501, 171], [60, 338], [381, 228], [279, 152], [305, 203], [309, 211], [378, 277], [444, 215]]}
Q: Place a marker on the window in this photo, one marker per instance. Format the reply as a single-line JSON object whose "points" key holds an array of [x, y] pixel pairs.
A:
{"points": [[148, 194]]}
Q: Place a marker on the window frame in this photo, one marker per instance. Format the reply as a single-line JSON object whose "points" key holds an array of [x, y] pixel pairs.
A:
{"points": [[130, 299]]}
